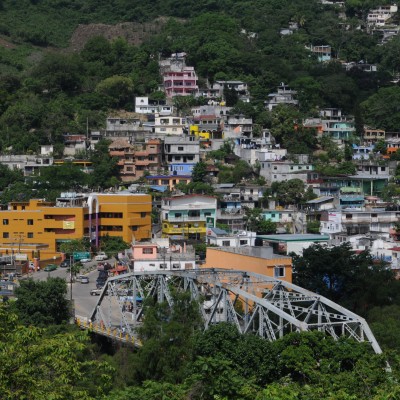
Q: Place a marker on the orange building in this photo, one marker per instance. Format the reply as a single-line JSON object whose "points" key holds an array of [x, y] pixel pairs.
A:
{"points": [[259, 260], [37, 228]]}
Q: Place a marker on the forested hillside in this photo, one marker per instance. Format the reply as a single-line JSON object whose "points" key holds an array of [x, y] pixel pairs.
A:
{"points": [[48, 89]]}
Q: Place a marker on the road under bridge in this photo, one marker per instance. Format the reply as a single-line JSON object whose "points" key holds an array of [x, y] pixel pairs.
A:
{"points": [[269, 307]]}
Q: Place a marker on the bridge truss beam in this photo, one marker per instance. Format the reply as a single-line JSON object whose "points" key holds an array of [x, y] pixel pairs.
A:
{"points": [[269, 307]]}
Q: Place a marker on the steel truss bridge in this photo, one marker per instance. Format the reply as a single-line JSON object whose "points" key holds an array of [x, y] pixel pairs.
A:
{"points": [[268, 307]]}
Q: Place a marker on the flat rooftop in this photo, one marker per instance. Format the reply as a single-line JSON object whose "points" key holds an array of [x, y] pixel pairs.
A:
{"points": [[252, 251], [295, 237]]}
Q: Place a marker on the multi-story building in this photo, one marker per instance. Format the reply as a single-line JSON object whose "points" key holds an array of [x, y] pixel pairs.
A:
{"points": [[323, 53], [278, 171], [29, 164], [373, 135], [161, 256], [237, 125], [377, 17], [188, 216], [169, 125], [145, 106], [354, 222], [181, 154], [168, 181], [283, 95], [221, 238], [37, 228], [134, 160], [178, 78]]}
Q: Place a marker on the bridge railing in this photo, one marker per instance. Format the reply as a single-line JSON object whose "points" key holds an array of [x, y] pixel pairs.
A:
{"points": [[113, 333]]}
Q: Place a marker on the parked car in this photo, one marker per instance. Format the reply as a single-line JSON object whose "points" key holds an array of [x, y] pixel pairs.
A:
{"points": [[50, 267], [95, 292], [84, 279], [101, 256], [85, 260], [66, 263]]}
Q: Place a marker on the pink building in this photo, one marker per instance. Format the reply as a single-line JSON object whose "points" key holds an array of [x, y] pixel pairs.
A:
{"points": [[162, 256], [180, 83]]}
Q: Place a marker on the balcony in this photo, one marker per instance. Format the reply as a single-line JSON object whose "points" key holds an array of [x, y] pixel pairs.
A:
{"points": [[186, 219]]}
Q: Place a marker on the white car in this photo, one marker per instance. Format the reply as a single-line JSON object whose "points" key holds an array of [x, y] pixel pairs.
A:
{"points": [[85, 260], [101, 256]]}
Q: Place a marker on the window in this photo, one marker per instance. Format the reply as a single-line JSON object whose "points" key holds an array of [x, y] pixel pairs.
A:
{"points": [[6, 235], [226, 243], [176, 266], [194, 213], [243, 242], [30, 221], [163, 266], [180, 148], [349, 216], [5, 221], [279, 271], [143, 215], [148, 250], [30, 235], [178, 215], [207, 214], [134, 228]]}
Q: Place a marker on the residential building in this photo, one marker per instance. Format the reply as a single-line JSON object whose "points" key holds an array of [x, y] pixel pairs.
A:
{"points": [[178, 78], [221, 238], [169, 181], [259, 260], [373, 135], [169, 125], [278, 171], [362, 152], [237, 125], [279, 215], [29, 164], [161, 255], [356, 222], [379, 16], [322, 52], [145, 106], [188, 216], [293, 243], [215, 91], [74, 144], [283, 95], [37, 228], [182, 153], [135, 160]]}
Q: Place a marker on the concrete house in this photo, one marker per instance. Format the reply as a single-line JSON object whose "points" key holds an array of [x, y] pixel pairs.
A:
{"points": [[182, 153]]}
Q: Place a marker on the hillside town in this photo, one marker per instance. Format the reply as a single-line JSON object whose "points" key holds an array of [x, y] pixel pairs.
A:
{"points": [[210, 176]]}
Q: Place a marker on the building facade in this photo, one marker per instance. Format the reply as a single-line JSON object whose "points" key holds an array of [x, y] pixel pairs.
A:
{"points": [[37, 228], [188, 216]]}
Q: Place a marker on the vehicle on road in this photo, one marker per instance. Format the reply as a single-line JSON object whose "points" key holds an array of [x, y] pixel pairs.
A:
{"points": [[84, 279], [95, 292], [85, 260], [50, 267], [101, 256], [66, 263]]}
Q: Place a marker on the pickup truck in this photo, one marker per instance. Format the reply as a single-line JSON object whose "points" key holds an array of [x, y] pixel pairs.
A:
{"points": [[101, 256]]}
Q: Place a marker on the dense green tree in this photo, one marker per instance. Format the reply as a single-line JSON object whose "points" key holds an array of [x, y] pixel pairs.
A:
{"points": [[353, 280], [118, 88], [35, 365], [256, 222], [167, 334], [42, 303], [292, 191], [112, 245], [105, 167], [380, 110], [199, 172]]}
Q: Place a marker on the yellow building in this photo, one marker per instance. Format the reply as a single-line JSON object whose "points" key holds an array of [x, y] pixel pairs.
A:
{"points": [[37, 228]]}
